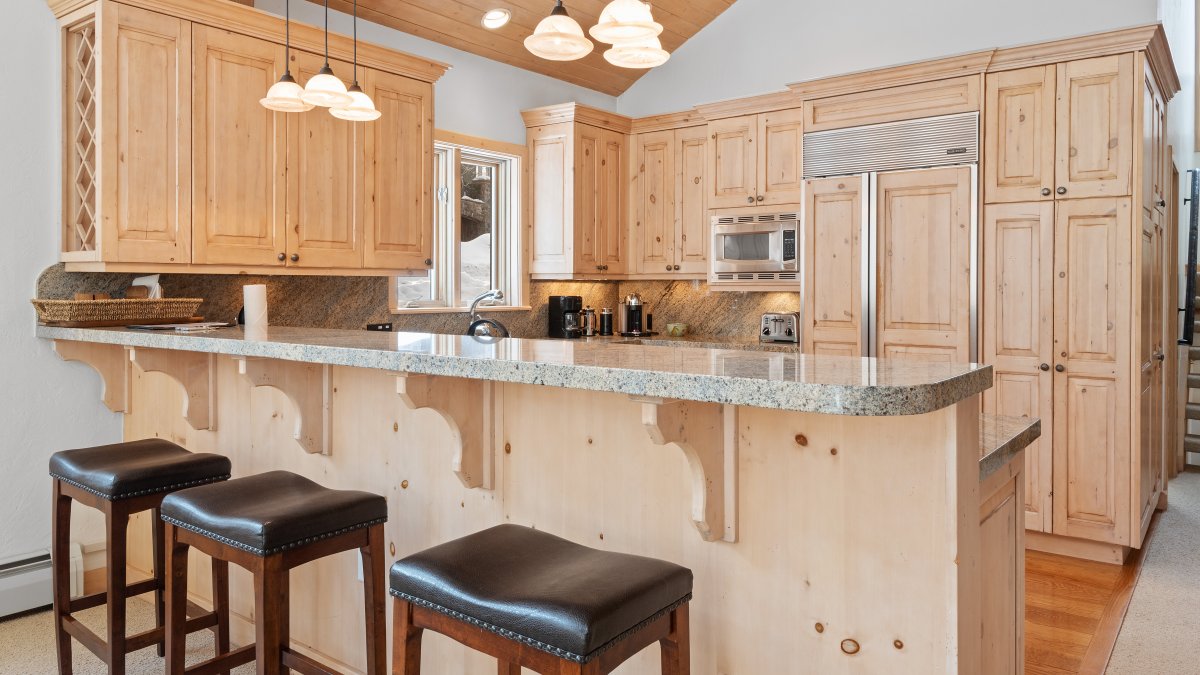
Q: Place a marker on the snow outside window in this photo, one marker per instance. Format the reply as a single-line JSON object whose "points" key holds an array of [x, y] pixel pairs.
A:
{"points": [[476, 226]]}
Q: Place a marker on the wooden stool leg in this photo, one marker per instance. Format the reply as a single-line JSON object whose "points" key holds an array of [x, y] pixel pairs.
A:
{"points": [[676, 647], [374, 574], [176, 569], [506, 668], [270, 613], [406, 640], [117, 522], [220, 586], [61, 561], [156, 532]]}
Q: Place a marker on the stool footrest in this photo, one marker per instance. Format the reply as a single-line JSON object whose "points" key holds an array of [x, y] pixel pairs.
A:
{"points": [[304, 665], [86, 637], [225, 663], [98, 646], [96, 599]]}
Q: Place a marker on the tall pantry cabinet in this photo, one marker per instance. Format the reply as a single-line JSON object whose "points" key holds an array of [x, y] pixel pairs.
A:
{"points": [[1073, 292]]}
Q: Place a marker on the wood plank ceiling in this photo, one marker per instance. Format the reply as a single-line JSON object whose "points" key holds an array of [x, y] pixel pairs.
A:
{"points": [[456, 23]]}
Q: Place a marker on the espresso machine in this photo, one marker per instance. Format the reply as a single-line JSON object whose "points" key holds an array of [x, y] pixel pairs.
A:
{"points": [[565, 316], [633, 320]]}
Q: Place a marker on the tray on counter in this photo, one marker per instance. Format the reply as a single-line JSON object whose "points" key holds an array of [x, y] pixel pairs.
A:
{"points": [[121, 312]]}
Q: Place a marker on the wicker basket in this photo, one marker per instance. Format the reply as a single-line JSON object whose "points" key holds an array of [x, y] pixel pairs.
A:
{"points": [[115, 312]]}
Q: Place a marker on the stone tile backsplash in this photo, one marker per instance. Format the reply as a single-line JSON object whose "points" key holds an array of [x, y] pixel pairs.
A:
{"points": [[353, 302]]}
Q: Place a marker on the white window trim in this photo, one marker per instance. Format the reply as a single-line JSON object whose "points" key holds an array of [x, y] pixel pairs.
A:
{"points": [[507, 268]]}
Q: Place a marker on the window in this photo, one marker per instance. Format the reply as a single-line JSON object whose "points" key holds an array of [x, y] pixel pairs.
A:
{"points": [[476, 231]]}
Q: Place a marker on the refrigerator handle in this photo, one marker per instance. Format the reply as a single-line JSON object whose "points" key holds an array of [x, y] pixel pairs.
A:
{"points": [[870, 265]]}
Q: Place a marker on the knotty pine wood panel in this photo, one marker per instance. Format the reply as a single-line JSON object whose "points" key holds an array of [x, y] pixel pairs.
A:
{"points": [[456, 23]]}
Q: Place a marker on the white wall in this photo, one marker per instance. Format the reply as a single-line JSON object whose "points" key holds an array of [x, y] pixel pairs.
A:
{"points": [[478, 96], [45, 404], [759, 46], [1179, 20]]}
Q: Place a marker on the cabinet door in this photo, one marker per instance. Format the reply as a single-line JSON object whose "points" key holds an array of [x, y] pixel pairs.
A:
{"points": [[146, 175], [324, 181], [1017, 332], [1154, 148], [589, 198], [398, 208], [1148, 468], [551, 155], [1094, 127], [733, 161], [1092, 331], [780, 166], [655, 226], [1018, 159], [611, 230], [923, 249], [692, 226], [238, 150], [833, 290]]}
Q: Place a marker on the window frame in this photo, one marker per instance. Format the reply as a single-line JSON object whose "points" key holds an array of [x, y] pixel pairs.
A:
{"points": [[509, 193]]}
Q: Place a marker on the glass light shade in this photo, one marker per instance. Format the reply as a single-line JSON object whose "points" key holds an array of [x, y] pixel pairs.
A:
{"points": [[559, 38], [625, 20], [284, 96], [495, 18], [326, 90], [647, 53], [361, 109]]}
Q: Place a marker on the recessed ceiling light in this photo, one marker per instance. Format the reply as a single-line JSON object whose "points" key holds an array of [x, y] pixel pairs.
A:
{"points": [[495, 18]]}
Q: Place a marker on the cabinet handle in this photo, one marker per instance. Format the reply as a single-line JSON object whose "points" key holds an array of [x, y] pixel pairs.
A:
{"points": [[677, 268], [760, 198], [1061, 190], [1060, 368], [1162, 203], [1045, 192], [749, 200], [1160, 356], [295, 257], [281, 257], [1044, 367], [429, 262]]}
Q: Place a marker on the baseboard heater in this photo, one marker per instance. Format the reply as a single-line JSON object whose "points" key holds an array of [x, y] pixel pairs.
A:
{"points": [[25, 581]]}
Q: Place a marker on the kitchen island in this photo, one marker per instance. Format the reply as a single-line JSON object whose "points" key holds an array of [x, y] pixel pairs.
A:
{"points": [[840, 514]]}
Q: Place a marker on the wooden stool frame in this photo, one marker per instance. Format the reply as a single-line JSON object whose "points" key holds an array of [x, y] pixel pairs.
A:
{"points": [[410, 621], [116, 517], [271, 607]]}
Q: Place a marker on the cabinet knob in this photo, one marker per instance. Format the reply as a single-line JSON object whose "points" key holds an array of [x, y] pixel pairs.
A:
{"points": [[1159, 356], [760, 198], [1045, 192], [1044, 367], [749, 200], [295, 257], [1061, 190], [281, 257], [677, 268], [668, 268], [1060, 368], [604, 268], [429, 262], [1162, 203]]}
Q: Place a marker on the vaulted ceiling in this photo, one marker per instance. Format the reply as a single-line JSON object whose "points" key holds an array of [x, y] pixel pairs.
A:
{"points": [[456, 23]]}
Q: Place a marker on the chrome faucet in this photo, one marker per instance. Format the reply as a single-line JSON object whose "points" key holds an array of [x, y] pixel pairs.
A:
{"points": [[485, 327]]}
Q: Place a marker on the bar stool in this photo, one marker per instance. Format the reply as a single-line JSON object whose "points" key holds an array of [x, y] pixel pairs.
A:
{"points": [[120, 480], [533, 600], [268, 524]]}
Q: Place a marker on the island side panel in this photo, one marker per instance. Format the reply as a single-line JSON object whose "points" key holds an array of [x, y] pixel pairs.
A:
{"points": [[861, 541]]}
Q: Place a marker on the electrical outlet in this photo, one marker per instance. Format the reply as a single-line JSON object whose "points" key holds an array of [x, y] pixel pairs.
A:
{"points": [[381, 327]]}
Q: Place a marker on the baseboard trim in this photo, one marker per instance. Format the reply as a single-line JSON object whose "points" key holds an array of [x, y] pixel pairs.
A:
{"points": [[1113, 554]]}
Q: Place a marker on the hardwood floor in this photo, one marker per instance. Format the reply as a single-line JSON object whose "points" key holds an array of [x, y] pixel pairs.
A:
{"points": [[1073, 611]]}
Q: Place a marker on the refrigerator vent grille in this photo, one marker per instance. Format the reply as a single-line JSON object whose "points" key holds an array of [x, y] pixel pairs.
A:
{"points": [[911, 144]]}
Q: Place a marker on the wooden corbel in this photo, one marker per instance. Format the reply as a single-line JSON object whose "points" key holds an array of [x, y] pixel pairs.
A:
{"points": [[708, 435], [466, 406], [107, 360], [196, 372], [309, 387]]}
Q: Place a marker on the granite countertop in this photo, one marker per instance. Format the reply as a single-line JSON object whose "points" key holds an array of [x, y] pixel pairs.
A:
{"points": [[1003, 437], [822, 384], [751, 343]]}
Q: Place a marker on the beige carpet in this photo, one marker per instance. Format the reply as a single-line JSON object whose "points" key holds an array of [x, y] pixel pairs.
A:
{"points": [[27, 644], [1161, 633]]}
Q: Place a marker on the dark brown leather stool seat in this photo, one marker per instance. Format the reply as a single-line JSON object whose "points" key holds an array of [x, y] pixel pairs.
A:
{"points": [[270, 523], [137, 468], [557, 596]]}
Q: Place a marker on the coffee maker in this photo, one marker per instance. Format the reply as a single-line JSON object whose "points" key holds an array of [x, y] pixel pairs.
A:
{"points": [[565, 316], [632, 318]]}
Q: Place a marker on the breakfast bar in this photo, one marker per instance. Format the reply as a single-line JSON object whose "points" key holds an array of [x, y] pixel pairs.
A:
{"points": [[839, 514]]}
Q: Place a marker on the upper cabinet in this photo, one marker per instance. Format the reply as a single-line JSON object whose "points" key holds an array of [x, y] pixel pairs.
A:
{"points": [[1060, 131], [756, 159], [170, 161], [670, 203]]}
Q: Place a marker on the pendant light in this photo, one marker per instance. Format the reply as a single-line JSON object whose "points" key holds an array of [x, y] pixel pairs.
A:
{"points": [[626, 20], [284, 95], [559, 37], [644, 53], [324, 88], [361, 107]]}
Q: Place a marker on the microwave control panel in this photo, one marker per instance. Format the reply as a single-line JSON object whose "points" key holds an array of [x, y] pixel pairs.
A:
{"points": [[789, 244]]}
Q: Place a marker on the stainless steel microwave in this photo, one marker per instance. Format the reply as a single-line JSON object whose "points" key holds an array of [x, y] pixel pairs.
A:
{"points": [[755, 248]]}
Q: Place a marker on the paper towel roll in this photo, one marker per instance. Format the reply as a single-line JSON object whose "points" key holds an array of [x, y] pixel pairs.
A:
{"points": [[255, 305]]}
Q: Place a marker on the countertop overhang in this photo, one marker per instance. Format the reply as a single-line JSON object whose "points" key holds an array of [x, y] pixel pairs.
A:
{"points": [[834, 385]]}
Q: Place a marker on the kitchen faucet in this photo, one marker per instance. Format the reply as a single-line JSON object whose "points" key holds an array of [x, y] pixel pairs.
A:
{"points": [[485, 327]]}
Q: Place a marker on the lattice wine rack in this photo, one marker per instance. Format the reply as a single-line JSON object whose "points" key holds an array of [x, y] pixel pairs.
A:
{"points": [[79, 217]]}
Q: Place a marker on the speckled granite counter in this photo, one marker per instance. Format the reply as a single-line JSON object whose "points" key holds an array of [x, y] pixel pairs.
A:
{"points": [[1002, 437], [704, 342], [822, 384]]}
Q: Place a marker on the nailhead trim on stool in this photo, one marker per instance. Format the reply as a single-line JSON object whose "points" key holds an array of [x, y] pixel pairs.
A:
{"points": [[279, 549], [140, 493]]}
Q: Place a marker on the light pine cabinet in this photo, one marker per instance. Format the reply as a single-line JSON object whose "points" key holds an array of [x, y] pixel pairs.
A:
{"points": [[1154, 145], [833, 291], [239, 151], [756, 159], [670, 203], [1076, 117], [1151, 356]]}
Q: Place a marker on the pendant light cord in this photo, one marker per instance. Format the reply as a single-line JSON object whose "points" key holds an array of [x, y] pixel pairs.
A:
{"points": [[326, 33], [355, 73], [287, 37]]}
